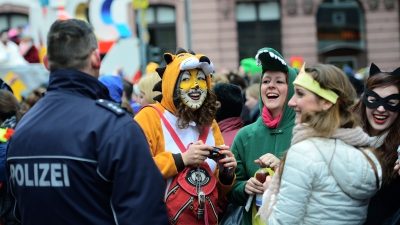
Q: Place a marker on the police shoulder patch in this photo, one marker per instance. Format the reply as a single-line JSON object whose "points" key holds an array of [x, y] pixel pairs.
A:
{"points": [[113, 107]]}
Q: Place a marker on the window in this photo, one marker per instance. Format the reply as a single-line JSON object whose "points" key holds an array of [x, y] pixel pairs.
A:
{"points": [[340, 24], [13, 20], [162, 32], [258, 25]]}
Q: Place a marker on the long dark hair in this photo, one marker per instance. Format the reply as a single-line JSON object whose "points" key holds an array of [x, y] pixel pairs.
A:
{"points": [[387, 151]]}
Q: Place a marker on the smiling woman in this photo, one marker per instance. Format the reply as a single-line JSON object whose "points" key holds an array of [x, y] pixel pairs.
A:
{"points": [[274, 89], [379, 109], [263, 142], [327, 163], [382, 111], [312, 100]]}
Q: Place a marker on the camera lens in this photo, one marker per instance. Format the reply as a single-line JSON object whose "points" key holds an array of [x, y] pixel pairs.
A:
{"points": [[214, 153]]}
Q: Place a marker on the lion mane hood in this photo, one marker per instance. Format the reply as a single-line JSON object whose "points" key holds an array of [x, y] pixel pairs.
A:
{"points": [[169, 74]]}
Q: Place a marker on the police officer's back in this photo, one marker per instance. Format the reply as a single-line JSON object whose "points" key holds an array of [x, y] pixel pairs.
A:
{"points": [[77, 158]]}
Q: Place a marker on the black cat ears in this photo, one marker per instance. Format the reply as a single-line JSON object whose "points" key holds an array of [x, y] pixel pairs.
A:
{"points": [[374, 69]]}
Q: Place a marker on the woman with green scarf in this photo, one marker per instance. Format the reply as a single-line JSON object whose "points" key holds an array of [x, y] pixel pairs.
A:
{"points": [[263, 142]]}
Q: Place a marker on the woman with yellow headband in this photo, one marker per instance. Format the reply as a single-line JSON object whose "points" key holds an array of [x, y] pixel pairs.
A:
{"points": [[329, 174]]}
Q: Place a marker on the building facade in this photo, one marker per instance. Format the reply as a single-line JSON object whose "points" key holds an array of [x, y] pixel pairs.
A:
{"points": [[352, 32]]}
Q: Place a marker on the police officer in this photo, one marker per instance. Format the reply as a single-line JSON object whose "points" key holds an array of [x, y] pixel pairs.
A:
{"points": [[75, 157]]}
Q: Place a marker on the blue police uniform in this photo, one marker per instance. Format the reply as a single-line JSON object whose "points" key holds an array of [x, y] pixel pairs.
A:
{"points": [[77, 159]]}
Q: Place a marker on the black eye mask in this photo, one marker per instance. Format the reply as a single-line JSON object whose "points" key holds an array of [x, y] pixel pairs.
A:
{"points": [[379, 101]]}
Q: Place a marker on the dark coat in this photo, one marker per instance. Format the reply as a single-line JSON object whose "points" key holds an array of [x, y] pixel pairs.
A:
{"points": [[75, 159], [385, 205]]}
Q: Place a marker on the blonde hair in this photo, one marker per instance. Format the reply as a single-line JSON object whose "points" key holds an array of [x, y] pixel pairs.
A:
{"points": [[253, 90], [219, 78], [146, 85], [340, 115]]}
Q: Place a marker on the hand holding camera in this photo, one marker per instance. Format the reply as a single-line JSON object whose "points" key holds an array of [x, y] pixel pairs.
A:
{"points": [[225, 159], [196, 153], [215, 154]]}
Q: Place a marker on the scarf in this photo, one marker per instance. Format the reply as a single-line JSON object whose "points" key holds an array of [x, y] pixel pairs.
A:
{"points": [[351, 136], [377, 141], [268, 120]]}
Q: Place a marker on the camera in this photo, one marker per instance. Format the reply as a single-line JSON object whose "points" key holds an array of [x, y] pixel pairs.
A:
{"points": [[214, 154]]}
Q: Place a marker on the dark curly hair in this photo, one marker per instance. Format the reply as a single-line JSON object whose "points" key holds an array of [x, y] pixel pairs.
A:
{"points": [[203, 116]]}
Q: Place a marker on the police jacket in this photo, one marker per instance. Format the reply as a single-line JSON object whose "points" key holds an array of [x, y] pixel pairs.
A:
{"points": [[76, 159]]}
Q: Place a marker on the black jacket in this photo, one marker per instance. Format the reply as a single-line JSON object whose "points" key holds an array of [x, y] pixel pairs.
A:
{"points": [[384, 207], [75, 159]]}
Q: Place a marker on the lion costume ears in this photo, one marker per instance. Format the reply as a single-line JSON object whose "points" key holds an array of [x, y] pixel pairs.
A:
{"points": [[168, 57], [374, 69]]}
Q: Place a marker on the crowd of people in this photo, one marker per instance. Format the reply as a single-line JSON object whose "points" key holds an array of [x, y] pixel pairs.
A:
{"points": [[188, 150], [17, 48]]}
